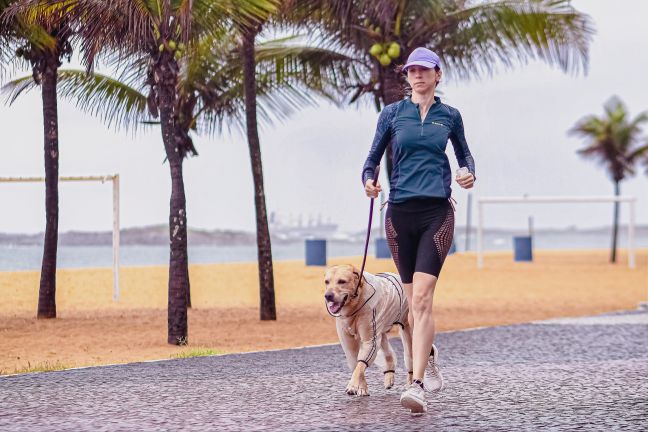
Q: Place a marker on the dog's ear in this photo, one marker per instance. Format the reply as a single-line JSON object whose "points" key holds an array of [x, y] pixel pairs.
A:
{"points": [[356, 277]]}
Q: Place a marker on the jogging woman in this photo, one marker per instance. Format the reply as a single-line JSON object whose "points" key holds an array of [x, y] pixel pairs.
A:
{"points": [[420, 217]]}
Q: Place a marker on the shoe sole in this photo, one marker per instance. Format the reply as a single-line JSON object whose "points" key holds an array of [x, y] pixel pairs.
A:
{"points": [[414, 405]]}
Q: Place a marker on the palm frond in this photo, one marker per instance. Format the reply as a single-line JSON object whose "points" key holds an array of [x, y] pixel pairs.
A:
{"points": [[290, 76], [114, 102], [613, 140], [473, 40]]}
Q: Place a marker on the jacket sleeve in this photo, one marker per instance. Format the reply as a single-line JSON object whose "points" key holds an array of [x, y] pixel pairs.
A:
{"points": [[458, 140], [381, 139]]}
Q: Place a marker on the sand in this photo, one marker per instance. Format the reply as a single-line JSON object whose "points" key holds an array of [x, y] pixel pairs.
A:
{"points": [[91, 329]]}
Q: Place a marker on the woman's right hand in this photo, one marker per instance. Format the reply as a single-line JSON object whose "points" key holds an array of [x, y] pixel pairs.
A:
{"points": [[371, 190]]}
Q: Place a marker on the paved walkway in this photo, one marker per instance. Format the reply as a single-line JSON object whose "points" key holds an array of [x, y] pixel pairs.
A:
{"points": [[565, 374]]}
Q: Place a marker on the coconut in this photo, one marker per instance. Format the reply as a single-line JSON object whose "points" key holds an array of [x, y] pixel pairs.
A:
{"points": [[172, 45], [161, 47], [376, 49], [385, 60], [394, 50]]}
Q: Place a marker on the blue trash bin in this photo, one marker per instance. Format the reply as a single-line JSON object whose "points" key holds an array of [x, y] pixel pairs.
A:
{"points": [[315, 252], [382, 248], [523, 248]]}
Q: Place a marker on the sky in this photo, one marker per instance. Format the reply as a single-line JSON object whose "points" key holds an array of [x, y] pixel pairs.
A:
{"points": [[516, 124]]}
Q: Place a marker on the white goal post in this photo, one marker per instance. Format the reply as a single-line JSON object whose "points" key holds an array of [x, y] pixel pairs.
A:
{"points": [[114, 178], [481, 202]]}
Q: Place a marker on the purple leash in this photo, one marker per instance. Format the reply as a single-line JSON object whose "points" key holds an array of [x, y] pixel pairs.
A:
{"points": [[371, 206]]}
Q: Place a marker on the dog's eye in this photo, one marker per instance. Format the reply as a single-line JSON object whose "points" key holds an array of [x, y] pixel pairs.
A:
{"points": [[326, 282], [342, 281]]}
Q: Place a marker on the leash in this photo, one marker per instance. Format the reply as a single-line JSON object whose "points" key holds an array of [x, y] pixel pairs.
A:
{"points": [[371, 207]]}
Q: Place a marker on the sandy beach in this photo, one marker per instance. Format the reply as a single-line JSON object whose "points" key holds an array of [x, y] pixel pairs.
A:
{"points": [[91, 329]]}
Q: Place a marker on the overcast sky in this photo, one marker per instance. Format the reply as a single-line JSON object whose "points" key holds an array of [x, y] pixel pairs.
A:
{"points": [[516, 125]]}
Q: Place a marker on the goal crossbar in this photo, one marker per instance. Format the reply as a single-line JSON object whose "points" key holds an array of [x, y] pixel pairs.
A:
{"points": [[481, 202], [114, 178]]}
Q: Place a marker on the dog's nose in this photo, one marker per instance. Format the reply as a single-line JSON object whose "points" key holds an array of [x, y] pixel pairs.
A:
{"points": [[329, 296]]}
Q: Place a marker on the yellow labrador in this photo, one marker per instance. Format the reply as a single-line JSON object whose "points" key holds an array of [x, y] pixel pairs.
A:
{"points": [[364, 315]]}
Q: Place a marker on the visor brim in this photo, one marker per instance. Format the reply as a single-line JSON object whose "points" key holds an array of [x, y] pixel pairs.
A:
{"points": [[422, 63]]}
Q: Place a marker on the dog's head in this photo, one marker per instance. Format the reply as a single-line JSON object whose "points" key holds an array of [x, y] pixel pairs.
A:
{"points": [[341, 282]]}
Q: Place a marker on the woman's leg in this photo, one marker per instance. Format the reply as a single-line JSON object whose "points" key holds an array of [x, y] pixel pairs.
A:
{"points": [[433, 248], [423, 329]]}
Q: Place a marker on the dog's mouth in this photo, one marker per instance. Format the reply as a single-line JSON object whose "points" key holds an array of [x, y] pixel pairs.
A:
{"points": [[335, 307]]}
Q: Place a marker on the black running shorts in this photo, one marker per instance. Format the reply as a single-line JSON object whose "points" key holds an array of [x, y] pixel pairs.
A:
{"points": [[419, 233]]}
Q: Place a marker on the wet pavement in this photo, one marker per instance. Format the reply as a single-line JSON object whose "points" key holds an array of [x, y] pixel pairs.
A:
{"points": [[566, 374]]}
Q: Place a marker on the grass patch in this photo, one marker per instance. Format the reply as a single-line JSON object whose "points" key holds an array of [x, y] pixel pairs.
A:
{"points": [[197, 352], [40, 367]]}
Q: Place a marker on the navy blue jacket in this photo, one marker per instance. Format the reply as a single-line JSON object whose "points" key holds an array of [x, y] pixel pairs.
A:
{"points": [[420, 166]]}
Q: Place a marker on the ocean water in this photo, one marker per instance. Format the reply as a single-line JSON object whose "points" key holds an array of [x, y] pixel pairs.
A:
{"points": [[14, 258]]}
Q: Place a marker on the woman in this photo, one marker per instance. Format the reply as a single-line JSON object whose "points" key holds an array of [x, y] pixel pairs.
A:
{"points": [[420, 218]]}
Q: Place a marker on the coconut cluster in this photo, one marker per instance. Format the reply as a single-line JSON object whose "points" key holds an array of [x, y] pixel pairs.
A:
{"points": [[385, 52], [172, 46], [169, 44]]}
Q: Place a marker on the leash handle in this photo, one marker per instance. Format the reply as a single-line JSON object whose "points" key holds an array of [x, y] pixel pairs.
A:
{"points": [[376, 173], [371, 206]]}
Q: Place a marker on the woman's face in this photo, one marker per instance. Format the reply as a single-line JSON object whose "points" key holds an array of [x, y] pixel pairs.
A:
{"points": [[421, 79]]}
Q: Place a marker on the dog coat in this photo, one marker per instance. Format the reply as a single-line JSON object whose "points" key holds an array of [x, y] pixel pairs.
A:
{"points": [[388, 305], [389, 302]]}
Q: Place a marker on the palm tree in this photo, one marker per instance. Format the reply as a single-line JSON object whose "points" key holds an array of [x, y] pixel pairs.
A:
{"points": [[158, 31], [472, 37], [268, 309], [615, 142], [41, 44]]}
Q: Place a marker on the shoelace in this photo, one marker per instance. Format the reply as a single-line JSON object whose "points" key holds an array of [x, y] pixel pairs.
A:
{"points": [[433, 368]]}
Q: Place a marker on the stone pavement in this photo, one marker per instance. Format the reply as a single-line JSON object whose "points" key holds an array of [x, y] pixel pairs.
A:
{"points": [[565, 374]]}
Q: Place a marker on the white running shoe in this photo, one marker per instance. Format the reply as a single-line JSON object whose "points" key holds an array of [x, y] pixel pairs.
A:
{"points": [[413, 398], [433, 379]]}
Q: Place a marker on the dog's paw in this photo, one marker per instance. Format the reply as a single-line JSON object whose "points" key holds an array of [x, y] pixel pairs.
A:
{"points": [[363, 390], [351, 387], [357, 388], [389, 380]]}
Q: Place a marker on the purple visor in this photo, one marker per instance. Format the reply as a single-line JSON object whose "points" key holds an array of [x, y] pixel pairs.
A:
{"points": [[422, 57]]}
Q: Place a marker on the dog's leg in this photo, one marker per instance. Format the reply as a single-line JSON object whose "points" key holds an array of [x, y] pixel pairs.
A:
{"points": [[406, 338], [390, 361], [358, 383], [350, 345], [369, 345]]}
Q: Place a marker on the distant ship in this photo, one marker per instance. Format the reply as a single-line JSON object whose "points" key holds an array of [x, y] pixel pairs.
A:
{"points": [[291, 229]]}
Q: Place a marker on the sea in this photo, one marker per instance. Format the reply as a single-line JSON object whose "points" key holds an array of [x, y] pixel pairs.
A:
{"points": [[17, 258]]}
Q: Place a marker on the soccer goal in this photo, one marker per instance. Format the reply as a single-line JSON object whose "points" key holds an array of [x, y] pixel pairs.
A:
{"points": [[114, 178], [483, 201]]}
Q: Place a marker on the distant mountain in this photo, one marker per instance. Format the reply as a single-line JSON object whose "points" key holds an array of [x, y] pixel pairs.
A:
{"points": [[158, 235], [155, 235]]}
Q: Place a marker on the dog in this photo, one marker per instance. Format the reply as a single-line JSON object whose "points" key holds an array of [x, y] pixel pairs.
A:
{"points": [[365, 313]]}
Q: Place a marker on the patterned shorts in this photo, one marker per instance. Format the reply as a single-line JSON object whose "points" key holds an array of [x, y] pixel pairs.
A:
{"points": [[419, 233]]}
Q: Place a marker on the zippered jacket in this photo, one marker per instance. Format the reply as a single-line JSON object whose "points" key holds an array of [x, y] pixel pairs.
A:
{"points": [[420, 166]]}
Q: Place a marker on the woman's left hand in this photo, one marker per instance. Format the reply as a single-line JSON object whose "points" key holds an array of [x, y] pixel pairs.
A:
{"points": [[466, 181]]}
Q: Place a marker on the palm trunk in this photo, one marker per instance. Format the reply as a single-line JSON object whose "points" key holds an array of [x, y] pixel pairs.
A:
{"points": [[178, 266], [178, 139], [188, 282], [615, 226], [394, 87], [47, 290], [393, 91], [264, 249]]}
